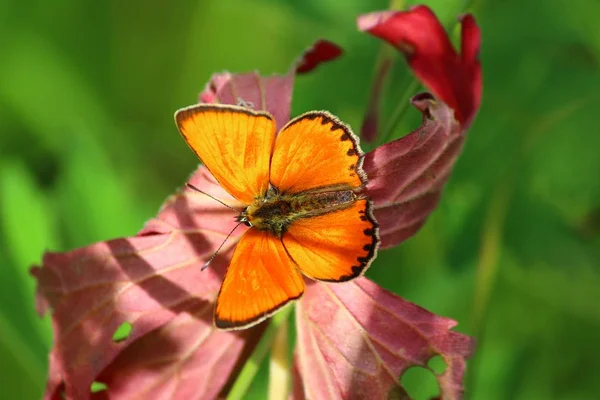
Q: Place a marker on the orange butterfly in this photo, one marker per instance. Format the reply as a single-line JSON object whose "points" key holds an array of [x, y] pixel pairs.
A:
{"points": [[301, 191]]}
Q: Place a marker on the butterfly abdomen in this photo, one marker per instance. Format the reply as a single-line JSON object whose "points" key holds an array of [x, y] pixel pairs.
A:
{"points": [[277, 213]]}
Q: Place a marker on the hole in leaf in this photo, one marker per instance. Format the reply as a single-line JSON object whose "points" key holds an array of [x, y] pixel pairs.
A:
{"points": [[98, 387], [437, 364], [420, 383], [122, 332]]}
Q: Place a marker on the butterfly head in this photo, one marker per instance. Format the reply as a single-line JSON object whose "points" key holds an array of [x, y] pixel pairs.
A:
{"points": [[269, 212]]}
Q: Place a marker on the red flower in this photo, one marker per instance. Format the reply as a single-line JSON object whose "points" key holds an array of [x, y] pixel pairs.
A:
{"points": [[455, 79]]}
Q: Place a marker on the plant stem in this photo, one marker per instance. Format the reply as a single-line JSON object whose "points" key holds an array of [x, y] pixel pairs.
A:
{"points": [[487, 265], [491, 246], [250, 369], [386, 58], [279, 365], [400, 110]]}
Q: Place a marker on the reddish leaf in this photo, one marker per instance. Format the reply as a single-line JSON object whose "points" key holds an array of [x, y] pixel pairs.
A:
{"points": [[406, 176], [355, 341], [184, 359], [154, 282], [455, 79]]}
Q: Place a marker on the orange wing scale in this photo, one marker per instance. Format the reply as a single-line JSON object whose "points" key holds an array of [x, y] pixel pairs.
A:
{"points": [[234, 143], [261, 278], [334, 247], [316, 150]]}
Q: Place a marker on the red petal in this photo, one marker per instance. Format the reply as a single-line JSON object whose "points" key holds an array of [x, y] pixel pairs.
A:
{"points": [[406, 176], [454, 79], [355, 341], [321, 51]]}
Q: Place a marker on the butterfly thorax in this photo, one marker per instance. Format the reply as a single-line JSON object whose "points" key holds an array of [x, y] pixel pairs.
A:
{"points": [[275, 211]]}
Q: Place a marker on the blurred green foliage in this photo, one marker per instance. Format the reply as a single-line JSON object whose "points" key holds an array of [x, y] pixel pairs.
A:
{"points": [[88, 151]]}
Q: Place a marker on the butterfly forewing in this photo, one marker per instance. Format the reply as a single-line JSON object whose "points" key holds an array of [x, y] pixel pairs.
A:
{"points": [[234, 143], [316, 150]]}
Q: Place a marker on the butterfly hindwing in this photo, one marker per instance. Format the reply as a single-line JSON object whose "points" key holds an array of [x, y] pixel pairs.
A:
{"points": [[234, 143], [261, 278], [316, 150], [334, 247]]}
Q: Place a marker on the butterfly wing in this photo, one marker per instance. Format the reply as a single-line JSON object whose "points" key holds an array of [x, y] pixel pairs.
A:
{"points": [[261, 279], [316, 150], [234, 143], [334, 247]]}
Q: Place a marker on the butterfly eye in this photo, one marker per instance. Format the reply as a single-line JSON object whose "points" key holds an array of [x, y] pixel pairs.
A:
{"points": [[271, 192], [243, 218]]}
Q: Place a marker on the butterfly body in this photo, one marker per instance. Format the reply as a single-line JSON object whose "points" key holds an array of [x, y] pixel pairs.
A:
{"points": [[303, 200], [275, 212]]}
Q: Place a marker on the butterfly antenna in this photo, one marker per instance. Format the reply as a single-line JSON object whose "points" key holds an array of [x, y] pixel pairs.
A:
{"points": [[214, 198], [206, 264]]}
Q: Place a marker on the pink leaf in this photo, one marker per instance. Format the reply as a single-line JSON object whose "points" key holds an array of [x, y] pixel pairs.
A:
{"points": [[356, 340], [406, 176], [152, 281], [455, 79], [184, 359]]}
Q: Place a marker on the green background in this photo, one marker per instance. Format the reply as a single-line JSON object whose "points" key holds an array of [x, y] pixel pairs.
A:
{"points": [[88, 151]]}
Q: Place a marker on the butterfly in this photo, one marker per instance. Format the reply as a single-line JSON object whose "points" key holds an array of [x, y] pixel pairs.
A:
{"points": [[301, 189]]}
